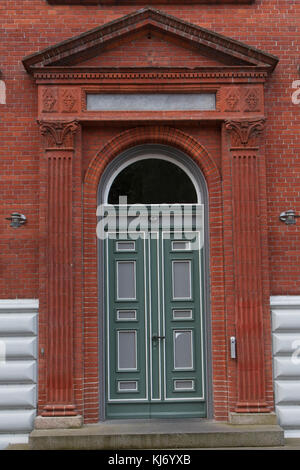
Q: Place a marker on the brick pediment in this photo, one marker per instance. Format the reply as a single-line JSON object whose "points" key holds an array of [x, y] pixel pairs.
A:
{"points": [[149, 37], [150, 48]]}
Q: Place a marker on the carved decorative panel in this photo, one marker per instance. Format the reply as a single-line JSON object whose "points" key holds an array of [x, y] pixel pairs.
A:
{"points": [[50, 100], [252, 101], [232, 99], [69, 100]]}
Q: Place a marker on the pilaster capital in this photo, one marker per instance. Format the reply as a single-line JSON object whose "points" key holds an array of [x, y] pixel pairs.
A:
{"points": [[59, 134], [245, 132]]}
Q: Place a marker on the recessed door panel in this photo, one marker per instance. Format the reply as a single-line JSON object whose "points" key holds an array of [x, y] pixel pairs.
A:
{"points": [[126, 320], [183, 318]]}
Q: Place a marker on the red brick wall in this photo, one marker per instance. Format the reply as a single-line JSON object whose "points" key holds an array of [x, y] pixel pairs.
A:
{"points": [[150, 49], [30, 25]]}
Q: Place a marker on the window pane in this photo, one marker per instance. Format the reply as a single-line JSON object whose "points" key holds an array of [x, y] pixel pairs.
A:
{"points": [[126, 314], [183, 356], [128, 386], [181, 279], [180, 245], [125, 246], [182, 314], [126, 279], [151, 102], [127, 350], [184, 385], [153, 181]]}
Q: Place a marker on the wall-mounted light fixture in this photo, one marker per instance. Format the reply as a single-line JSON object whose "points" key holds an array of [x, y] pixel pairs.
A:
{"points": [[16, 219], [289, 217]]}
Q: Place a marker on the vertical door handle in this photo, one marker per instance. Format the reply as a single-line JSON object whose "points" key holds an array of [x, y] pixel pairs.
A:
{"points": [[233, 347]]}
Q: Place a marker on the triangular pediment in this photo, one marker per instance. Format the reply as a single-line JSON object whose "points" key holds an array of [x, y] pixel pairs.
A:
{"points": [[149, 37], [149, 47]]}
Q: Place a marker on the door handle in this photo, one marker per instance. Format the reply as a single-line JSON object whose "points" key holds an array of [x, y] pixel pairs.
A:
{"points": [[155, 337]]}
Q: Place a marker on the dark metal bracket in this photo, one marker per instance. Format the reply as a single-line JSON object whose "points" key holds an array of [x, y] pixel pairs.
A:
{"points": [[289, 217], [16, 219]]}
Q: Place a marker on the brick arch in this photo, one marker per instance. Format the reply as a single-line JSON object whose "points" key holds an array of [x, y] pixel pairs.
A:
{"points": [[177, 139], [155, 135]]}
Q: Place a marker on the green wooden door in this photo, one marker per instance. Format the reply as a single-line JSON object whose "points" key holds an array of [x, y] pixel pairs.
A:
{"points": [[155, 351]]}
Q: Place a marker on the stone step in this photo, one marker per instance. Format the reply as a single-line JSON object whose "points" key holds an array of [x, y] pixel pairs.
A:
{"points": [[157, 434], [17, 447]]}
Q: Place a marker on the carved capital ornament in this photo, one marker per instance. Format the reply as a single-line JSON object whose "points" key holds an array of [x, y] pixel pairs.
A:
{"points": [[245, 132], [58, 130]]}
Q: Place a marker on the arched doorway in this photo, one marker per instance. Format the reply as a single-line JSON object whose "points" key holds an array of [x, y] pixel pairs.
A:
{"points": [[154, 300]]}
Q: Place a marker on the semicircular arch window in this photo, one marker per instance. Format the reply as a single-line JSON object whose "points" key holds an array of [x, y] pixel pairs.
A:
{"points": [[153, 181]]}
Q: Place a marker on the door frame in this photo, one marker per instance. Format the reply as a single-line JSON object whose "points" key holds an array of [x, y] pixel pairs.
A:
{"points": [[193, 171]]}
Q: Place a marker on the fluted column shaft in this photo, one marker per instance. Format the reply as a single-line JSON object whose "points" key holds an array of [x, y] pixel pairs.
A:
{"points": [[244, 155], [59, 153]]}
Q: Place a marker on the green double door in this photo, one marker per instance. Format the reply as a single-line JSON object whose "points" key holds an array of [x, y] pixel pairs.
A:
{"points": [[155, 351]]}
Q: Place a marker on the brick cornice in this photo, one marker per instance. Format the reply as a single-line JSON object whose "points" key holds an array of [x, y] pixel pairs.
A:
{"points": [[200, 73]]}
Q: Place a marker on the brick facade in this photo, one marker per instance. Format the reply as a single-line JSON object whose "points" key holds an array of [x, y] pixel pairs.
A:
{"points": [[29, 26]]}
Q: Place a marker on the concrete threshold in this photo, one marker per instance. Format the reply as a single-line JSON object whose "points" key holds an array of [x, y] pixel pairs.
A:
{"points": [[157, 434]]}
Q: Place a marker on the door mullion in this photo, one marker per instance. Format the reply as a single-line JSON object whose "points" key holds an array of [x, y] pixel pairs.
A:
{"points": [[154, 316], [163, 319]]}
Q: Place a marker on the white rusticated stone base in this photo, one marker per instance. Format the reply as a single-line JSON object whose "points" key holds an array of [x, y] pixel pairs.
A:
{"points": [[286, 359], [253, 418], [58, 422]]}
